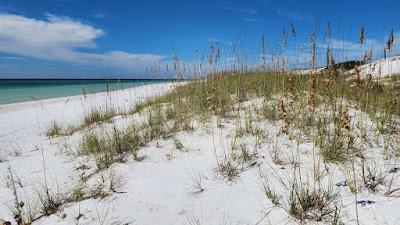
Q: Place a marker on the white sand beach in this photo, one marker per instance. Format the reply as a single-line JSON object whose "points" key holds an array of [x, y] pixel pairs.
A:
{"points": [[23, 136], [199, 112], [175, 183]]}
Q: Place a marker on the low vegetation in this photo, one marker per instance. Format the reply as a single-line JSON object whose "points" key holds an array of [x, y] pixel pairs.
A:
{"points": [[54, 130], [343, 117]]}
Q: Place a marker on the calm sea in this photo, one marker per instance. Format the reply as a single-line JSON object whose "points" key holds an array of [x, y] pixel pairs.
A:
{"points": [[12, 91]]}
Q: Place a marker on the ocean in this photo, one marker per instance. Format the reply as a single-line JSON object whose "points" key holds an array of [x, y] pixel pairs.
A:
{"points": [[22, 90]]}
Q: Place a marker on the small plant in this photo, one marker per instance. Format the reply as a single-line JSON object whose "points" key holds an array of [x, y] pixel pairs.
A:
{"points": [[275, 154], [331, 141], [245, 156], [115, 182], [336, 217], [98, 146], [178, 145], [17, 209], [139, 107], [100, 190], [49, 202], [54, 130], [373, 179], [311, 204], [109, 148], [98, 115], [351, 183], [228, 169], [198, 184], [78, 192], [270, 193], [283, 115]]}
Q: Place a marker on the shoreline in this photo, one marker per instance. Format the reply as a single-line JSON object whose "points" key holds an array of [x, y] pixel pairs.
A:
{"points": [[18, 91], [11, 107], [24, 125]]}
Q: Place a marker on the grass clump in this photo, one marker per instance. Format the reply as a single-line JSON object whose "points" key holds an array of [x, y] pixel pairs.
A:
{"points": [[270, 193], [98, 115], [49, 203], [331, 140], [54, 130], [108, 148], [306, 203], [228, 169]]}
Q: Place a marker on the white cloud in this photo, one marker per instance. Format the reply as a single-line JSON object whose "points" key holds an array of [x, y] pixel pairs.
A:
{"points": [[293, 15], [99, 15], [241, 10], [252, 20], [352, 50], [61, 39], [349, 45]]}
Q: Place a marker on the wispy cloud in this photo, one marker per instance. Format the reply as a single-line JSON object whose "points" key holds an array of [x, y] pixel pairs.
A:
{"points": [[219, 41], [99, 15], [252, 20], [352, 49], [62, 39], [249, 10], [293, 15], [11, 58]]}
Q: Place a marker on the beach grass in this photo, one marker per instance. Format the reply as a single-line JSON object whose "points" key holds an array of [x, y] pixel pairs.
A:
{"points": [[342, 116], [314, 107]]}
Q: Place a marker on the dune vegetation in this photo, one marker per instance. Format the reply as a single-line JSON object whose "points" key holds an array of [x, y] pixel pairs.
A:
{"points": [[315, 141]]}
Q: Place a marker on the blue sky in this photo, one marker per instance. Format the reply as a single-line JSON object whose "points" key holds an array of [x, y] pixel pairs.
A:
{"points": [[121, 38]]}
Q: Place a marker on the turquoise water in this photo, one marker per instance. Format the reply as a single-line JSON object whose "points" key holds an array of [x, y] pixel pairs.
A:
{"points": [[12, 91]]}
